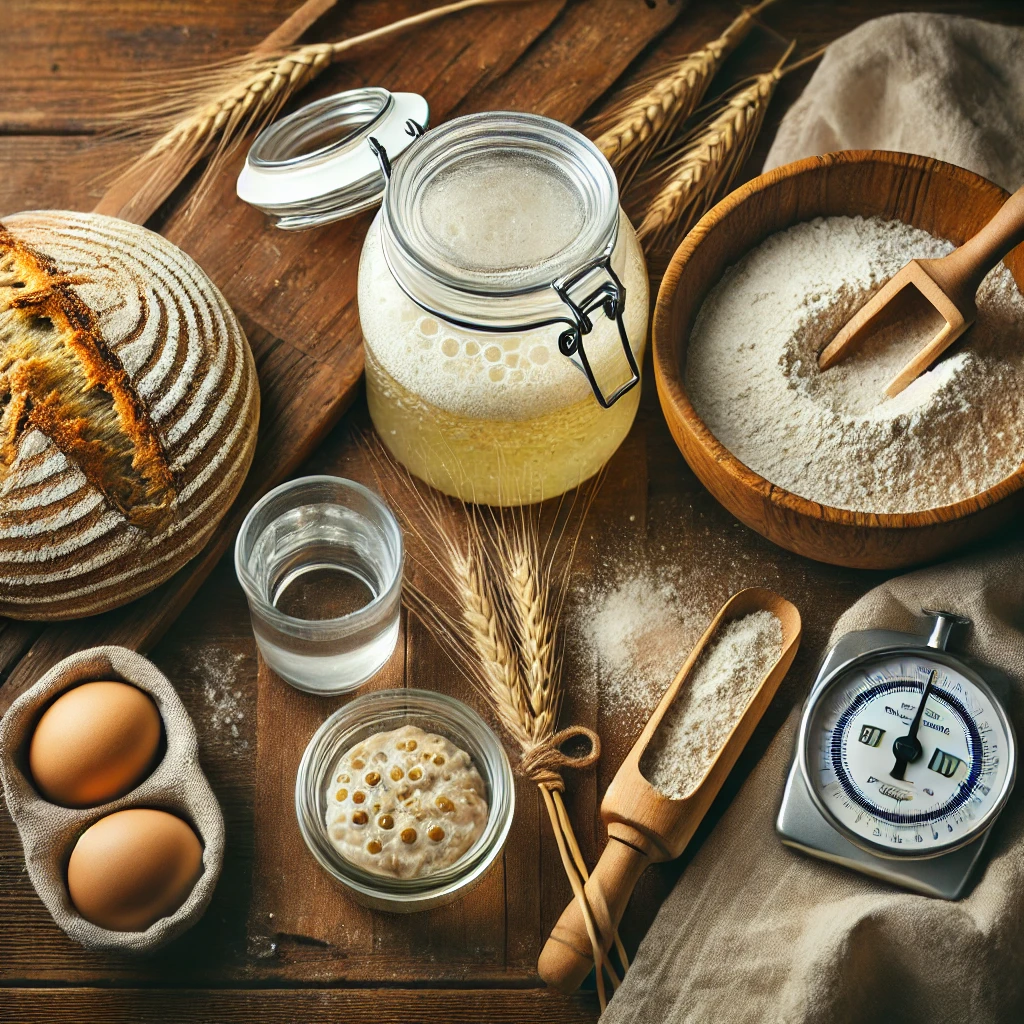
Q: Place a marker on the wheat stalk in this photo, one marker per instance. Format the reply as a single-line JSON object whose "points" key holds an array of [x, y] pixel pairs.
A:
{"points": [[527, 712], [707, 165], [702, 167], [205, 111], [647, 113], [508, 596]]}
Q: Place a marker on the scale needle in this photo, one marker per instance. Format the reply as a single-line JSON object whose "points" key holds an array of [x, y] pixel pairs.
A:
{"points": [[908, 748]]}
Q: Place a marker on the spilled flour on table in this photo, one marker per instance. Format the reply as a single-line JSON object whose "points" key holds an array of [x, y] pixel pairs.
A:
{"points": [[640, 599], [227, 692], [635, 636]]}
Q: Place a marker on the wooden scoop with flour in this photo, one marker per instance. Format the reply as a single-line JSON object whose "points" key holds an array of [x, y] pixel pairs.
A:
{"points": [[949, 285], [644, 826]]}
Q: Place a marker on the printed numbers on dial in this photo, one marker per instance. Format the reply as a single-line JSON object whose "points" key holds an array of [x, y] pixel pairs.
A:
{"points": [[946, 794]]}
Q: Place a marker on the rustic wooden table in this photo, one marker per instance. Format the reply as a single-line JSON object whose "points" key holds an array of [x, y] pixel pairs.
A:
{"points": [[278, 943]]}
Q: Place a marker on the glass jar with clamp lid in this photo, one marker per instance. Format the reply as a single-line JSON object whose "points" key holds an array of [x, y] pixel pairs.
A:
{"points": [[904, 759], [503, 295]]}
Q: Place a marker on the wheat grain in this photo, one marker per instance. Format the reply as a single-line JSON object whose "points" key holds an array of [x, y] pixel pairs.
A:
{"points": [[647, 114], [535, 628]]}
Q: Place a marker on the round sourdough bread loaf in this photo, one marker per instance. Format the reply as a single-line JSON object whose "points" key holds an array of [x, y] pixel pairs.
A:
{"points": [[128, 412]]}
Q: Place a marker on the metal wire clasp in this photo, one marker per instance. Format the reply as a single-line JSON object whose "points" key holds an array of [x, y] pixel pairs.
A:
{"points": [[412, 128], [601, 288]]}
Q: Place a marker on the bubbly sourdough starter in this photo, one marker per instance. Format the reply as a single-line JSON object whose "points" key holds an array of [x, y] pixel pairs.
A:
{"points": [[405, 803], [500, 214], [834, 437], [495, 418]]}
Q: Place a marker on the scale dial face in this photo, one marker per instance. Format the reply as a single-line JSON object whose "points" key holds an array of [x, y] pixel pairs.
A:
{"points": [[949, 792]]}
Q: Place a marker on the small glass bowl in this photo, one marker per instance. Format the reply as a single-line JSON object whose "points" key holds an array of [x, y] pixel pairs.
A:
{"points": [[382, 711]]}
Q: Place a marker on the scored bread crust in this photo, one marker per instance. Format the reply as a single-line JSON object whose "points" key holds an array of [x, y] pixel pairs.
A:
{"points": [[51, 348], [128, 412]]}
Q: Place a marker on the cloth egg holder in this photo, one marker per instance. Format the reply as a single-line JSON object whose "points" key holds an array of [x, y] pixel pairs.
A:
{"points": [[177, 784], [296, 174]]}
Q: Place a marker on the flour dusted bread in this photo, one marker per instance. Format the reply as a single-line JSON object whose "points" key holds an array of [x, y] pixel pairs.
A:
{"points": [[128, 412]]}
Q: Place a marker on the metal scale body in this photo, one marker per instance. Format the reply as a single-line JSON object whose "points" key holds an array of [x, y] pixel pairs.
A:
{"points": [[904, 759]]}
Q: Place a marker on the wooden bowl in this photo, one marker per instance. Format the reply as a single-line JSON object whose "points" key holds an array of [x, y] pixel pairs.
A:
{"points": [[944, 200]]}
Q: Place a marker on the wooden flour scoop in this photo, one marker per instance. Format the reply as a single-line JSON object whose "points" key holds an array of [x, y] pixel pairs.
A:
{"points": [[948, 284], [645, 827]]}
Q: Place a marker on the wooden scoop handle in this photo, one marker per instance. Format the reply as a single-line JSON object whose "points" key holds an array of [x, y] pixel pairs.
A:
{"points": [[567, 956], [960, 273]]}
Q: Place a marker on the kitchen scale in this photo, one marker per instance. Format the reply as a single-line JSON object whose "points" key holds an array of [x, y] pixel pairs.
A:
{"points": [[904, 759]]}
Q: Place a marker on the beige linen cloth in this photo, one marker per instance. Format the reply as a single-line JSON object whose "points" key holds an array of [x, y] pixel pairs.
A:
{"points": [[753, 931], [934, 85]]}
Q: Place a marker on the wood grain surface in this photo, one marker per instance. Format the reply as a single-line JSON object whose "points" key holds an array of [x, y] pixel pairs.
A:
{"points": [[265, 951], [331, 1006]]}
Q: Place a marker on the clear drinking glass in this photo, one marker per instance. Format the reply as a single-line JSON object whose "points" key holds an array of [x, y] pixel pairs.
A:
{"points": [[320, 561]]}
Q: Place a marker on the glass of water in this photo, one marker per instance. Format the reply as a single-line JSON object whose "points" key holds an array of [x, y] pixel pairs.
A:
{"points": [[320, 561]]}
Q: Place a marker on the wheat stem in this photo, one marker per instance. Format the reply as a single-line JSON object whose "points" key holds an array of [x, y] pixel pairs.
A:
{"points": [[206, 111], [581, 864], [600, 963]]}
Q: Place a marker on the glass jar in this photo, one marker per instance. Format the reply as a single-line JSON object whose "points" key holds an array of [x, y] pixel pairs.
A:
{"points": [[383, 711], [501, 354], [503, 294]]}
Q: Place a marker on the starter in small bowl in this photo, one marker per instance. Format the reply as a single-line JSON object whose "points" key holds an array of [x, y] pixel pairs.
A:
{"points": [[405, 803]]}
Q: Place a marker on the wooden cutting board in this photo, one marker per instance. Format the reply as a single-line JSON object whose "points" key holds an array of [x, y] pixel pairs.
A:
{"points": [[295, 293]]}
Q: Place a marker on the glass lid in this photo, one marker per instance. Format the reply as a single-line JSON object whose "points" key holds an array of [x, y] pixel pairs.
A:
{"points": [[500, 203]]}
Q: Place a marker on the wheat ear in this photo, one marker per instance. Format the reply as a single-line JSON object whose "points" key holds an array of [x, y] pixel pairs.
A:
{"points": [[647, 113], [702, 168], [530, 607], [529, 712], [492, 645]]}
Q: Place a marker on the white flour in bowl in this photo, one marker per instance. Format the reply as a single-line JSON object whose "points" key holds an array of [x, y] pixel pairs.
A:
{"points": [[833, 437], [713, 699]]}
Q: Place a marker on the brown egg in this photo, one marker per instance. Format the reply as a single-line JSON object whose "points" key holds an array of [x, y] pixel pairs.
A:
{"points": [[133, 867], [94, 743]]}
